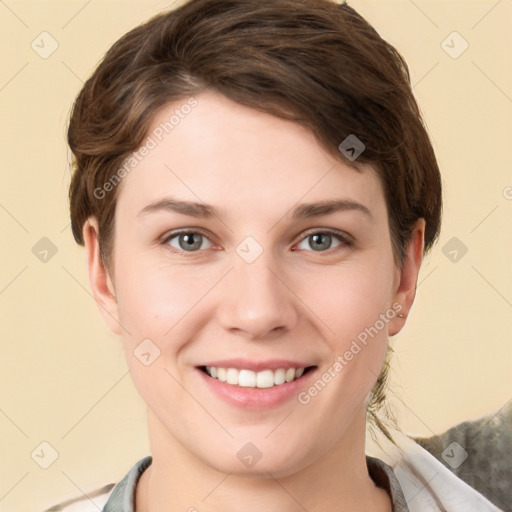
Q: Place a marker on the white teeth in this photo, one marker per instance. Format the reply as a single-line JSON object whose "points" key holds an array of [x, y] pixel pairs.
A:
{"points": [[265, 379], [232, 376], [250, 379], [246, 379], [290, 374], [279, 376]]}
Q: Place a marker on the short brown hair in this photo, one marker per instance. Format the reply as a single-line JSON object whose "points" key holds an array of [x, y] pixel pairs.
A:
{"points": [[316, 62]]}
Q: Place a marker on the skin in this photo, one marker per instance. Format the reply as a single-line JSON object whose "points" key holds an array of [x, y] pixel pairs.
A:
{"points": [[293, 302]]}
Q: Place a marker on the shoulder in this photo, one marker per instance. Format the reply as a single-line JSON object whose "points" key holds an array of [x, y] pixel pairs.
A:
{"points": [[93, 501], [108, 496], [478, 452]]}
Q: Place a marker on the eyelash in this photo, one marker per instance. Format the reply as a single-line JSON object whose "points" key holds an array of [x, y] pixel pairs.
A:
{"points": [[345, 239]]}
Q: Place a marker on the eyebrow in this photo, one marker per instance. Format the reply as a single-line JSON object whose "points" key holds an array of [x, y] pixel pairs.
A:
{"points": [[303, 211]]}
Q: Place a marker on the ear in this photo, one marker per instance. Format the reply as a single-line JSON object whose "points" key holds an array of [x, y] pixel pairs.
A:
{"points": [[99, 279], [407, 277]]}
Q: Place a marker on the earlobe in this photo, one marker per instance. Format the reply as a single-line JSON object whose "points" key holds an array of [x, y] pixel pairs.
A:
{"points": [[101, 284], [408, 277]]}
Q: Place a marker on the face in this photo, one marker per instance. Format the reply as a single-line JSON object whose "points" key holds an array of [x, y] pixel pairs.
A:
{"points": [[245, 252]]}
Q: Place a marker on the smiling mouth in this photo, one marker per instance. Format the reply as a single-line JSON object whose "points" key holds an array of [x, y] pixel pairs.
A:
{"points": [[251, 379]]}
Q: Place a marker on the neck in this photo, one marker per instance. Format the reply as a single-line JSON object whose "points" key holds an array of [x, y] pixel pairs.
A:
{"points": [[337, 480]]}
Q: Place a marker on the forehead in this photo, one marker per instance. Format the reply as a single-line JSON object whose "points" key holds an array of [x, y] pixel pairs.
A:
{"points": [[214, 150]]}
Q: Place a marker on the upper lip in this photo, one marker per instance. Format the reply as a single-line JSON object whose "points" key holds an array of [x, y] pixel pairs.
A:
{"points": [[256, 366]]}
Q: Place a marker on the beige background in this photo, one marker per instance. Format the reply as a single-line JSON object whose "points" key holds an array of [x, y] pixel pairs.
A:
{"points": [[63, 378]]}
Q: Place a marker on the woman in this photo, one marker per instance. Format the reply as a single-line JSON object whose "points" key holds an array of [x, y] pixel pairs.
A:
{"points": [[255, 190]]}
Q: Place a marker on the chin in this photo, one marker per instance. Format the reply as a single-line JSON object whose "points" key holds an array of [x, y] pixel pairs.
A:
{"points": [[259, 460]]}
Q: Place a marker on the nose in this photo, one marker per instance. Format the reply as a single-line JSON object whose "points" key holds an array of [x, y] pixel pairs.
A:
{"points": [[256, 301]]}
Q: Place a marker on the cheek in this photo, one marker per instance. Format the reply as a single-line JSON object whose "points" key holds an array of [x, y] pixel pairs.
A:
{"points": [[356, 309], [156, 307], [355, 306], [154, 299], [351, 300]]}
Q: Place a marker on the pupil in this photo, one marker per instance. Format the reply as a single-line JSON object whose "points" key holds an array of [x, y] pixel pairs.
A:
{"points": [[189, 241], [318, 239]]}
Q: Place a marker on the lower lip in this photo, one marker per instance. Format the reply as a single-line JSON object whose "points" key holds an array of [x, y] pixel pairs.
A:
{"points": [[257, 399]]}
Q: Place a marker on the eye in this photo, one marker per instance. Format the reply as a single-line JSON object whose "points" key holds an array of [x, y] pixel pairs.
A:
{"points": [[321, 241], [194, 241], [188, 241]]}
